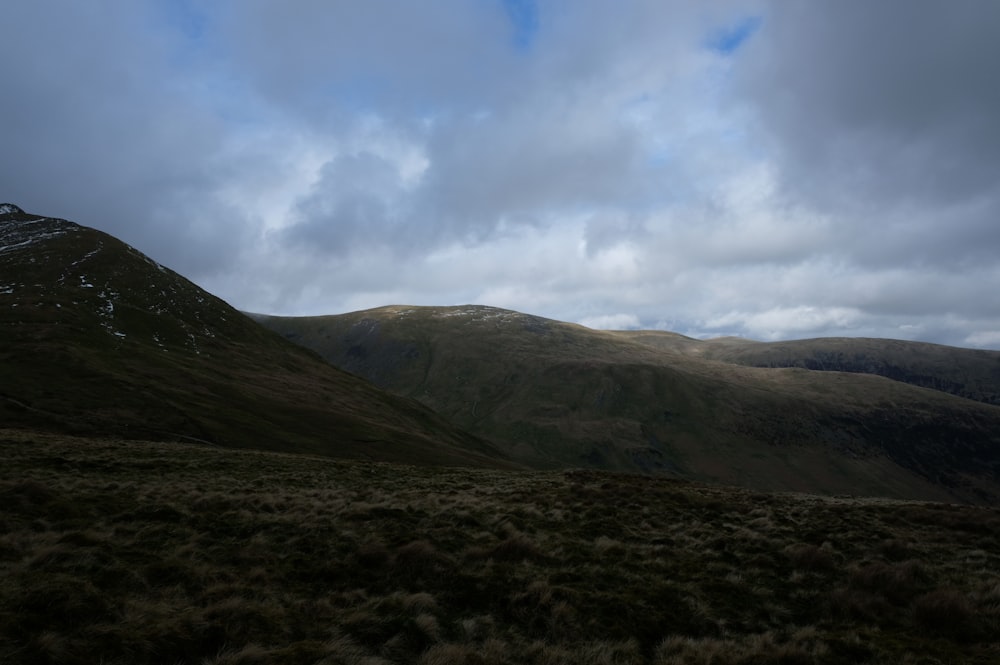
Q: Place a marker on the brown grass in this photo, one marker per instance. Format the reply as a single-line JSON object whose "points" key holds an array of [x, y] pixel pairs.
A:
{"points": [[128, 552]]}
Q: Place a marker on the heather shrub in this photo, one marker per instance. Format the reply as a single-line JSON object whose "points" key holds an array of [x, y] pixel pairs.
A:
{"points": [[858, 604], [450, 654], [810, 557], [372, 555], [420, 558], [227, 557], [897, 582], [947, 612], [801, 648], [894, 549], [516, 548]]}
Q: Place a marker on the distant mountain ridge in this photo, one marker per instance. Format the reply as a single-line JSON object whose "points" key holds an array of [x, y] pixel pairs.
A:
{"points": [[99, 340], [557, 394], [969, 373]]}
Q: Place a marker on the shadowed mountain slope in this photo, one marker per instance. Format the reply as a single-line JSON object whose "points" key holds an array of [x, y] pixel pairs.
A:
{"points": [[557, 394], [970, 373], [97, 339]]}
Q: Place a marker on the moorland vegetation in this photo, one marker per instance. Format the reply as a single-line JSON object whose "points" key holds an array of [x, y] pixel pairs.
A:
{"points": [[122, 552]]}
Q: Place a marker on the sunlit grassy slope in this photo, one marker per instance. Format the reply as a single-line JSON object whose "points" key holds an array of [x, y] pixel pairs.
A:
{"points": [[971, 373], [96, 338], [130, 553], [557, 395]]}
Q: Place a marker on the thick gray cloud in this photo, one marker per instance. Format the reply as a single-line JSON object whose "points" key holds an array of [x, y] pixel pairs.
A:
{"points": [[98, 124], [749, 167], [884, 107], [350, 206]]}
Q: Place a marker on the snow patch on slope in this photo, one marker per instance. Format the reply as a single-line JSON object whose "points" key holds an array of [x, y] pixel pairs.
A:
{"points": [[18, 234], [476, 312], [481, 313]]}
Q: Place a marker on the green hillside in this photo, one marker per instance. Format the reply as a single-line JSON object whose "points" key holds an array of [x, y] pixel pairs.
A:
{"points": [[970, 373], [97, 339], [557, 395]]}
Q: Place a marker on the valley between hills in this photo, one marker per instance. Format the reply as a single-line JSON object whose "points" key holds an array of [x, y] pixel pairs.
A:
{"points": [[555, 395], [185, 483]]}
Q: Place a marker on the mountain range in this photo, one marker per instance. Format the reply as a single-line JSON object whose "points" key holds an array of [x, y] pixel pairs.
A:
{"points": [[555, 394], [97, 339]]}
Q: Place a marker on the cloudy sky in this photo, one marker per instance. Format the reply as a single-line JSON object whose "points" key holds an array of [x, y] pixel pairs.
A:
{"points": [[766, 169]]}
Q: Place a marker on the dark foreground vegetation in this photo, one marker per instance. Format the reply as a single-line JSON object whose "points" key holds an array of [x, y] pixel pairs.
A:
{"points": [[124, 552]]}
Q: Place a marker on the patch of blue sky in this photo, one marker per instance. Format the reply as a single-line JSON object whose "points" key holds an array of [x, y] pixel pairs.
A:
{"points": [[660, 156], [187, 26], [523, 16], [187, 17], [728, 39]]}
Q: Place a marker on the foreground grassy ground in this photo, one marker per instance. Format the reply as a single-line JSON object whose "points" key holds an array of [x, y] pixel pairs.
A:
{"points": [[124, 552]]}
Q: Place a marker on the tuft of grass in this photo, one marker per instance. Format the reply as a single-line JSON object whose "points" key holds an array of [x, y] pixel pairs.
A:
{"points": [[947, 612], [802, 647], [811, 558]]}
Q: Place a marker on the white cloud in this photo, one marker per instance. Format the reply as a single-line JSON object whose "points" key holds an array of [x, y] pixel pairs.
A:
{"points": [[779, 322], [612, 322], [986, 339], [312, 157]]}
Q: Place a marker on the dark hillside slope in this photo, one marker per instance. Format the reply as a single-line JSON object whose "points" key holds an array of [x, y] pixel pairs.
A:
{"points": [[97, 339], [969, 373], [559, 395]]}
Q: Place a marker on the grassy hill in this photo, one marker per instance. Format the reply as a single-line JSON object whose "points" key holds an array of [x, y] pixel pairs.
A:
{"points": [[557, 395], [97, 339], [970, 373], [131, 553], [141, 523]]}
